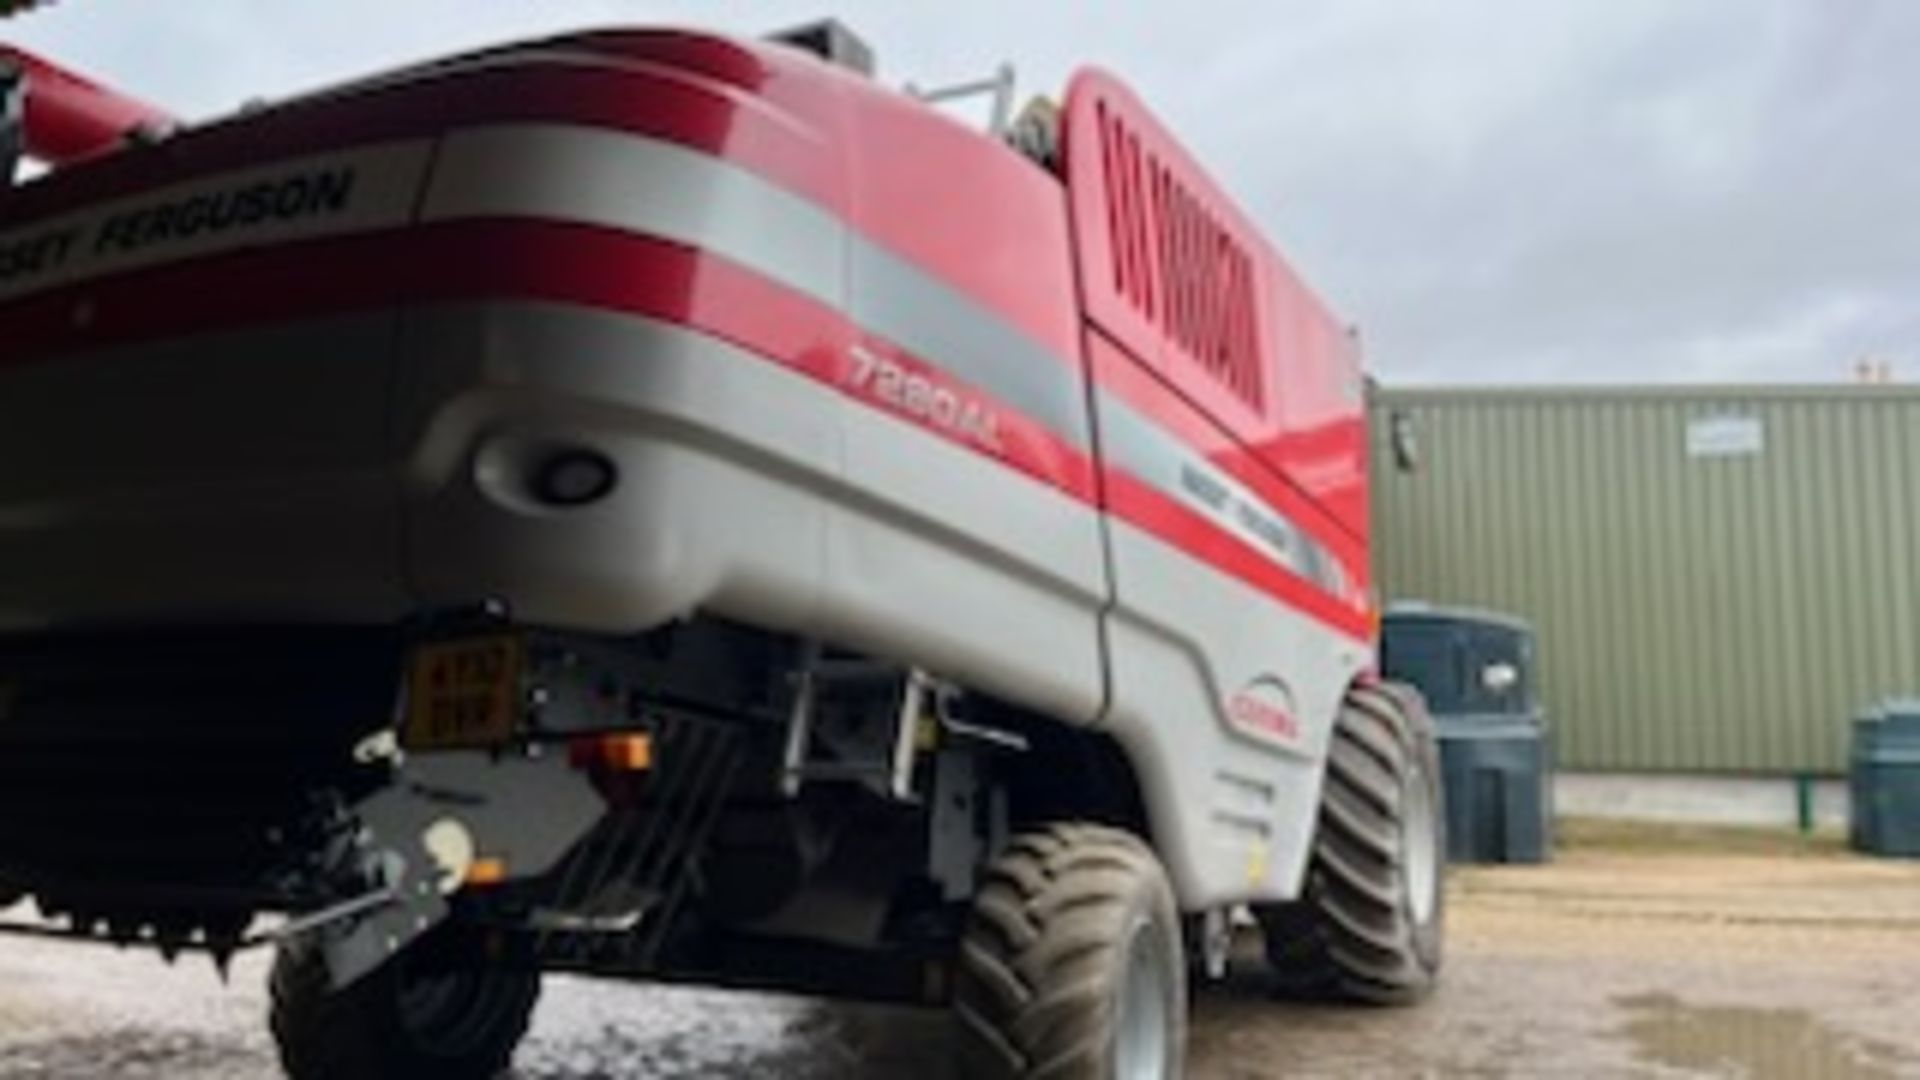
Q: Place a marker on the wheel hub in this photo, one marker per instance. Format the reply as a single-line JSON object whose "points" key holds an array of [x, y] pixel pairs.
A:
{"points": [[1140, 1051], [1419, 846]]}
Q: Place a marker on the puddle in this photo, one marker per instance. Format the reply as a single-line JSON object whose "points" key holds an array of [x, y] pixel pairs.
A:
{"points": [[1753, 1044]]}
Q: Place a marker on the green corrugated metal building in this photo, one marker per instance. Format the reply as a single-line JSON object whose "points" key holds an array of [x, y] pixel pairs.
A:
{"points": [[1720, 576]]}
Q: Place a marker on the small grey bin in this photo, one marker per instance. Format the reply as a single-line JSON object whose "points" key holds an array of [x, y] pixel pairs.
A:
{"points": [[1884, 780]]}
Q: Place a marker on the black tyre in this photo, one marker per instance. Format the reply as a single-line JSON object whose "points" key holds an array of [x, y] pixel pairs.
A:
{"points": [[434, 1013], [1071, 967], [1370, 925]]}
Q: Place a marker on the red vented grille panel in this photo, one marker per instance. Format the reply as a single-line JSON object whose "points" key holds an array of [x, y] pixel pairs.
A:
{"points": [[1178, 264], [1177, 278]]}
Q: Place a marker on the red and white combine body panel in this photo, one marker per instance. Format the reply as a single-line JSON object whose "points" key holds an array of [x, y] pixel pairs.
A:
{"points": [[623, 332]]}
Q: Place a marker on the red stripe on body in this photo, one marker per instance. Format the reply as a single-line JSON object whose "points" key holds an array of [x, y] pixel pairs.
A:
{"points": [[1144, 507], [1126, 379], [623, 272], [301, 280]]}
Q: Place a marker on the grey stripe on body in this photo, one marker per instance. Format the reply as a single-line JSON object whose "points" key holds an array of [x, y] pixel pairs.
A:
{"points": [[623, 181], [643, 185], [947, 328]]}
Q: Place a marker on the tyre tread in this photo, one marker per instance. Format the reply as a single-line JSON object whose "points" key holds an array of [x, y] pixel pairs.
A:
{"points": [[1348, 936], [1037, 964], [353, 1034]]}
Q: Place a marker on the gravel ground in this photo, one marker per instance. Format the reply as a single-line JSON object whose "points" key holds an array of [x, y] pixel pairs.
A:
{"points": [[1624, 958]]}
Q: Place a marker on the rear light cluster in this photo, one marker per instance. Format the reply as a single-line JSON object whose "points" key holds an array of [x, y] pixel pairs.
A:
{"points": [[620, 752]]}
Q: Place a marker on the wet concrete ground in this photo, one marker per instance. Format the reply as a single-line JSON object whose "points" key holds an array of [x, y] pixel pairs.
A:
{"points": [[1622, 959]]}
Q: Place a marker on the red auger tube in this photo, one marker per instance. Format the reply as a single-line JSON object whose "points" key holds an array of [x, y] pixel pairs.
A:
{"points": [[70, 118]]}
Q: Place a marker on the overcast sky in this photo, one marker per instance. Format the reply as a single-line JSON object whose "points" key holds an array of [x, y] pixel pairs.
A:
{"points": [[1494, 190]]}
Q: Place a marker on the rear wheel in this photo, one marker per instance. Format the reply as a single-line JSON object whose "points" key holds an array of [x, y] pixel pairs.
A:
{"points": [[436, 1012], [1071, 967], [1370, 925]]}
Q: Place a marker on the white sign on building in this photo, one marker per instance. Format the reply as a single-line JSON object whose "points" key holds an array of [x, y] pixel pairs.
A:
{"points": [[1725, 436]]}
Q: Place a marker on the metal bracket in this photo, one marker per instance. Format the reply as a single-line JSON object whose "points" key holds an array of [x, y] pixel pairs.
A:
{"points": [[325, 917], [906, 733], [955, 847], [1216, 942], [526, 810], [1000, 84], [806, 691], [408, 906], [889, 772]]}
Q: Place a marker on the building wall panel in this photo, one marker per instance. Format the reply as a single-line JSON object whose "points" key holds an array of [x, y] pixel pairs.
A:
{"points": [[1696, 613]]}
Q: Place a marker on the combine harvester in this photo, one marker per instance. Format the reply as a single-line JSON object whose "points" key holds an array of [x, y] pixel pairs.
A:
{"points": [[665, 506]]}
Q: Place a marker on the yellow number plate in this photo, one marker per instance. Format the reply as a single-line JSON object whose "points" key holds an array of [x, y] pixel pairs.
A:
{"points": [[463, 693]]}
